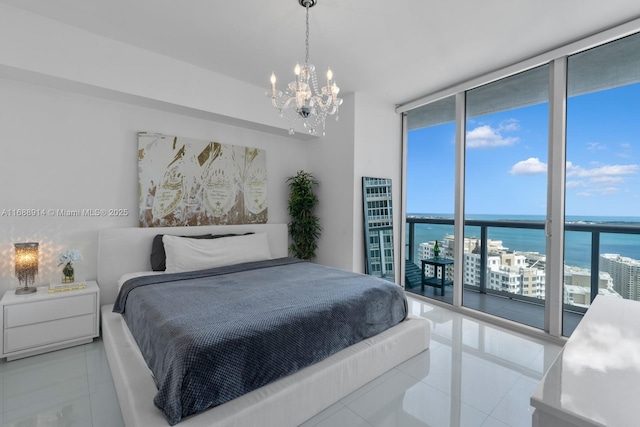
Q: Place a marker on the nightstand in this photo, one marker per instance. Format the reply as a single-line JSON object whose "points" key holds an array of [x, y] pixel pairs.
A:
{"points": [[43, 321]]}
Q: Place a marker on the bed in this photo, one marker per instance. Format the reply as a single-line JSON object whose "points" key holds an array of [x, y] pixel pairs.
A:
{"points": [[289, 400]]}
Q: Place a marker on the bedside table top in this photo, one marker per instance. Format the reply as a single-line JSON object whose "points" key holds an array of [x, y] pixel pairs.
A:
{"points": [[42, 293]]}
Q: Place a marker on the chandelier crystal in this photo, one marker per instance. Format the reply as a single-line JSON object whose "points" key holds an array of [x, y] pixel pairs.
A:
{"points": [[302, 102]]}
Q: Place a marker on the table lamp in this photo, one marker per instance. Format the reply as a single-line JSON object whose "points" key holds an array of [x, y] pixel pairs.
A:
{"points": [[26, 266]]}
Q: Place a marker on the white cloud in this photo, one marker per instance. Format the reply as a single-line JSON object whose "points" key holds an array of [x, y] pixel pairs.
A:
{"points": [[599, 180], [509, 126], [608, 191], [605, 191], [488, 137], [607, 170], [574, 184], [531, 166], [626, 150], [606, 179], [595, 146]]}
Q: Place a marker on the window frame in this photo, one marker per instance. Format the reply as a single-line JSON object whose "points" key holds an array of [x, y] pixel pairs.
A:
{"points": [[554, 227]]}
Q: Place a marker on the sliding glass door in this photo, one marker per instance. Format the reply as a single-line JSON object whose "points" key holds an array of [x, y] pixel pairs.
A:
{"points": [[430, 190], [506, 160]]}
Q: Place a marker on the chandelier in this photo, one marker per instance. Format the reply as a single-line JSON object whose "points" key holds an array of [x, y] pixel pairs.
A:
{"points": [[302, 102]]}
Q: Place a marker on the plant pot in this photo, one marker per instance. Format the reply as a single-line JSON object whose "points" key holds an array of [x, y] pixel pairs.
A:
{"points": [[68, 274]]}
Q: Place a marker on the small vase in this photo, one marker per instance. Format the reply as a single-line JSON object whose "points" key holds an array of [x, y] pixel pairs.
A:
{"points": [[67, 273]]}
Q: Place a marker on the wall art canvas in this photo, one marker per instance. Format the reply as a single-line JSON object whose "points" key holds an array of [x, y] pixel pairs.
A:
{"points": [[185, 181]]}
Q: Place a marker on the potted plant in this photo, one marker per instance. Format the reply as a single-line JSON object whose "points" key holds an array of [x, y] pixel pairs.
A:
{"points": [[304, 228]]}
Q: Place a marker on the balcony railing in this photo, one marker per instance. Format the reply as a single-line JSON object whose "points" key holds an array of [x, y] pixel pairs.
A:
{"points": [[594, 229]]}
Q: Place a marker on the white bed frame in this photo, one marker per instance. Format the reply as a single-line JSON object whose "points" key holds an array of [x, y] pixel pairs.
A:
{"points": [[287, 402]]}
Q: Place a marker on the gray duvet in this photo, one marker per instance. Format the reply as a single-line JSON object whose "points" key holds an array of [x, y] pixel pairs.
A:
{"points": [[213, 335]]}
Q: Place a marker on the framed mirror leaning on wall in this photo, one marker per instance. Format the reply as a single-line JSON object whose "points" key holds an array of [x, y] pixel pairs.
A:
{"points": [[378, 227]]}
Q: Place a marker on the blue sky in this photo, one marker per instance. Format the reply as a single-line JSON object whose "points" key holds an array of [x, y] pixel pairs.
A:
{"points": [[507, 160]]}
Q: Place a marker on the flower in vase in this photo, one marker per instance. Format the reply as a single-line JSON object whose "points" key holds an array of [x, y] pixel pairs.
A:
{"points": [[68, 256]]}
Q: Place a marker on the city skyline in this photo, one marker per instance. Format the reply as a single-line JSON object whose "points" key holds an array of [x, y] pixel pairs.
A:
{"points": [[524, 272]]}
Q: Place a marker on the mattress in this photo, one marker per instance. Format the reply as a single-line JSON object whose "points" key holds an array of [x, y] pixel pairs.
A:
{"points": [[287, 402], [211, 336]]}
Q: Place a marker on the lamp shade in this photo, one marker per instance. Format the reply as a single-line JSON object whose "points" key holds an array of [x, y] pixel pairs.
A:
{"points": [[26, 265]]}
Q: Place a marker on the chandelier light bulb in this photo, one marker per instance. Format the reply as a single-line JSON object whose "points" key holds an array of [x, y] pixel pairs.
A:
{"points": [[273, 84]]}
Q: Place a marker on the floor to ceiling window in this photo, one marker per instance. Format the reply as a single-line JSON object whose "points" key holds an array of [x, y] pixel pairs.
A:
{"points": [[547, 166], [430, 189], [602, 256], [506, 147]]}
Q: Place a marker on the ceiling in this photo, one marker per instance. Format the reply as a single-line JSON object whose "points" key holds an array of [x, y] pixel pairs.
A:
{"points": [[396, 50]]}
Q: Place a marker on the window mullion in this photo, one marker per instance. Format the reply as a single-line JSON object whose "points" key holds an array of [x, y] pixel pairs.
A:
{"points": [[555, 197], [458, 214]]}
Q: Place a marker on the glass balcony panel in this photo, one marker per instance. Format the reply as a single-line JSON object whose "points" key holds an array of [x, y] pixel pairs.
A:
{"points": [[520, 296], [426, 234]]}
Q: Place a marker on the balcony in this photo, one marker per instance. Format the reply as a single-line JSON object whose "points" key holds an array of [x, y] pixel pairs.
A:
{"points": [[516, 292]]}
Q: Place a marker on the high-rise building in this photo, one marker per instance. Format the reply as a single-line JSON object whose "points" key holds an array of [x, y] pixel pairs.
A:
{"points": [[510, 272], [577, 286], [625, 274]]}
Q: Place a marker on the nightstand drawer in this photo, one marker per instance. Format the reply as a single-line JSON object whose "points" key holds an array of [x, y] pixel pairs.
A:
{"points": [[38, 334], [47, 310]]}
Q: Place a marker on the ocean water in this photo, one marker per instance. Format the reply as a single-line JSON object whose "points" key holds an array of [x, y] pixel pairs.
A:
{"points": [[577, 244]]}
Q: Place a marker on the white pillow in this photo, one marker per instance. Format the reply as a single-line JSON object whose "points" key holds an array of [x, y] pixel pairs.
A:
{"points": [[185, 254]]}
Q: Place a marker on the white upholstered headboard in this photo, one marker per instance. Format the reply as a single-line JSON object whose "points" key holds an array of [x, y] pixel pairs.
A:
{"points": [[127, 250]]}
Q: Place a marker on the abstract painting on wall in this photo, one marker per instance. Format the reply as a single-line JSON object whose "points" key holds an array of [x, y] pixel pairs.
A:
{"points": [[191, 182]]}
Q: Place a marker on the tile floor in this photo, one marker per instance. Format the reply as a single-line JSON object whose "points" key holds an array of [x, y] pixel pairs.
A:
{"points": [[519, 311], [474, 374], [70, 387]]}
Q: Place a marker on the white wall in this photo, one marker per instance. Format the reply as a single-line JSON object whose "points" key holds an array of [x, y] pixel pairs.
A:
{"points": [[366, 141], [65, 55], [378, 153], [331, 162], [72, 103], [62, 150]]}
